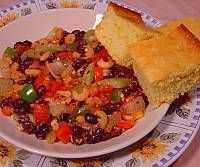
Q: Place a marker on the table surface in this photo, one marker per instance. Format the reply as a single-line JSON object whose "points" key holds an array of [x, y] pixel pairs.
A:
{"points": [[164, 10]]}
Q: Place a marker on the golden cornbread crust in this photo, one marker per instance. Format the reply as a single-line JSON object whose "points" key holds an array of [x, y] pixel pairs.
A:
{"points": [[119, 28], [126, 13], [168, 65], [192, 23]]}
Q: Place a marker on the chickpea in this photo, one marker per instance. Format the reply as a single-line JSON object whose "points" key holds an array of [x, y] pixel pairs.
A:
{"points": [[70, 38]]}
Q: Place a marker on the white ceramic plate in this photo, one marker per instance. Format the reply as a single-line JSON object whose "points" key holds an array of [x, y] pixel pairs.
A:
{"points": [[34, 27]]}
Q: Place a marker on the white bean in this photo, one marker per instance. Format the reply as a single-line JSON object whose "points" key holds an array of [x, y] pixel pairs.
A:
{"points": [[104, 64], [102, 120], [80, 96]]}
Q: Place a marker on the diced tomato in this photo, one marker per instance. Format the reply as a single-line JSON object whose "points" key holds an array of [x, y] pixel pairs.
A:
{"points": [[100, 91], [65, 55], [66, 87], [98, 73], [36, 64], [41, 113], [64, 132], [7, 111], [125, 124], [38, 81], [48, 94], [55, 85], [21, 48], [44, 70], [107, 90], [103, 54]]}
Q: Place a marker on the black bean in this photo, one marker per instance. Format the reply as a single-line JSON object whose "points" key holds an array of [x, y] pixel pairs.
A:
{"points": [[99, 48], [77, 131], [75, 32], [28, 61], [109, 108], [72, 121], [82, 42], [80, 62], [81, 103], [43, 128], [81, 50], [90, 118], [77, 141], [20, 111], [78, 135], [116, 131], [61, 41], [81, 46], [65, 33], [30, 79], [98, 131], [106, 136], [82, 69], [17, 59], [133, 87], [21, 107], [21, 82], [27, 124], [7, 102], [22, 67], [121, 71], [41, 136], [41, 131], [80, 35], [51, 58], [27, 43], [18, 103], [41, 90], [41, 101], [18, 43], [42, 63], [92, 139], [65, 117]]}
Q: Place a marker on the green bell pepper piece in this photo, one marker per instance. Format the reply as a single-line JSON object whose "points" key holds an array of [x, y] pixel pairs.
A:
{"points": [[88, 75], [65, 62], [49, 48], [10, 52], [29, 53], [88, 34], [115, 82], [79, 88], [116, 96], [28, 93], [72, 46]]}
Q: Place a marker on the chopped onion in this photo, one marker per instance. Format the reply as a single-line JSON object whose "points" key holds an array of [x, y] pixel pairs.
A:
{"points": [[112, 120], [135, 105], [4, 69], [57, 109], [6, 85], [56, 69]]}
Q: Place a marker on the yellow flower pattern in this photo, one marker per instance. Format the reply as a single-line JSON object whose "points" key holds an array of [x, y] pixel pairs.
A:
{"points": [[4, 20], [7, 152], [86, 163], [69, 4], [149, 149]]}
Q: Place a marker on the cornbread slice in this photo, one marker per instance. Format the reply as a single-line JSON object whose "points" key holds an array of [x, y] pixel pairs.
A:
{"points": [[120, 27], [192, 23], [168, 65]]}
